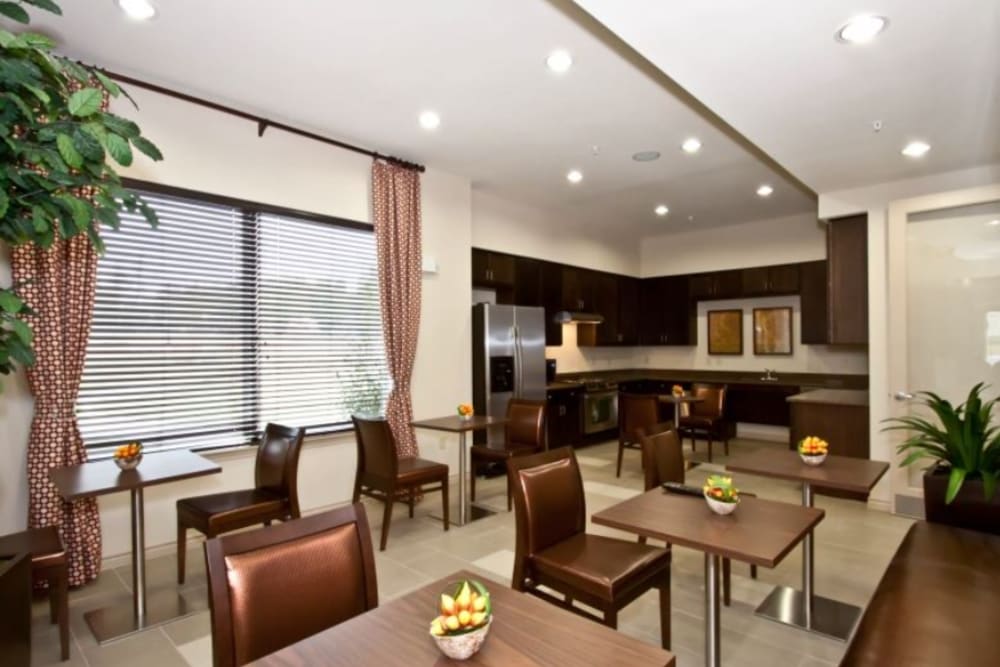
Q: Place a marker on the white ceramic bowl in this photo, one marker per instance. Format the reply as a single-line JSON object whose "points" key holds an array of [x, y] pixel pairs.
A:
{"points": [[720, 507], [130, 463], [463, 647], [812, 459]]}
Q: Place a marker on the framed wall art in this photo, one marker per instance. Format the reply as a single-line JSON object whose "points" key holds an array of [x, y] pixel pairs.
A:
{"points": [[772, 331], [725, 332]]}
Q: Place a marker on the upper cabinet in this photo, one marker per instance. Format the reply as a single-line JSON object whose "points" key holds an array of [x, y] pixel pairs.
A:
{"points": [[527, 282], [813, 291], [770, 280], [847, 257], [668, 311], [551, 300], [491, 269], [716, 285]]}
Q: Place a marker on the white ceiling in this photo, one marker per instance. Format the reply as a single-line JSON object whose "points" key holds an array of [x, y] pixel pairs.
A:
{"points": [[362, 72], [775, 73]]}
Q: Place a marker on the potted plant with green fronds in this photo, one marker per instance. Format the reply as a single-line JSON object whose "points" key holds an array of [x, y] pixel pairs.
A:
{"points": [[963, 444]]}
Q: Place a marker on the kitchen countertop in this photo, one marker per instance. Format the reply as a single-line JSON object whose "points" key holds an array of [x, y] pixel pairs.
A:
{"points": [[832, 397], [804, 380], [561, 386]]}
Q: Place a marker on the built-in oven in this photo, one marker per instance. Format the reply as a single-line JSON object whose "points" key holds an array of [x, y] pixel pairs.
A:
{"points": [[600, 409]]}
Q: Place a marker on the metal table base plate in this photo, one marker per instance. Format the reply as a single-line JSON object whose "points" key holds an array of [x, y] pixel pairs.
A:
{"points": [[113, 623], [475, 512], [830, 618]]}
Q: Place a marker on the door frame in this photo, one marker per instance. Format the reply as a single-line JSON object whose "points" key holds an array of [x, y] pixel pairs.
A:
{"points": [[899, 213]]}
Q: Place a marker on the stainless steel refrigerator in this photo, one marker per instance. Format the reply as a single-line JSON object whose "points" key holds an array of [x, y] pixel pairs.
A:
{"points": [[508, 358]]}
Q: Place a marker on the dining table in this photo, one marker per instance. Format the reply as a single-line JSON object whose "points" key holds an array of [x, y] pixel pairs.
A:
{"points": [[462, 426], [678, 400], [803, 608], [524, 631], [759, 532], [102, 477]]}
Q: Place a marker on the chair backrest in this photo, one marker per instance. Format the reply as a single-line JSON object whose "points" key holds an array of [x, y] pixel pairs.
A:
{"points": [[714, 404], [637, 411], [377, 454], [272, 587], [526, 423], [549, 505], [277, 466], [662, 458]]}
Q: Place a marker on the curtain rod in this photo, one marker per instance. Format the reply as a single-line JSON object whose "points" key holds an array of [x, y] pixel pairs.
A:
{"points": [[262, 123]]}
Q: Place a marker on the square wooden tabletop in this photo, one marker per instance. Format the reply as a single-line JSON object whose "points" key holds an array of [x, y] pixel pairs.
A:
{"points": [[836, 472], [96, 478], [524, 631], [455, 424], [761, 532]]}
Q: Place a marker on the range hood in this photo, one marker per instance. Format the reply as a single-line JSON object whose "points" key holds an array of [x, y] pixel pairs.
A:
{"points": [[577, 317]]}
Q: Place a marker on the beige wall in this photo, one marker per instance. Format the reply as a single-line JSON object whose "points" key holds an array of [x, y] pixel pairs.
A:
{"points": [[215, 153]]}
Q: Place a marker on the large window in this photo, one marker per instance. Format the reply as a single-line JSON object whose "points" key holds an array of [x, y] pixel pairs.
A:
{"points": [[228, 316]]}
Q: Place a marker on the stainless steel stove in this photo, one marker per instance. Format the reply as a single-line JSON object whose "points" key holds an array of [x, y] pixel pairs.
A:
{"points": [[599, 404]]}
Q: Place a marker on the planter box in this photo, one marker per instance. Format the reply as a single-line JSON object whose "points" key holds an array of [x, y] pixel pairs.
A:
{"points": [[970, 509]]}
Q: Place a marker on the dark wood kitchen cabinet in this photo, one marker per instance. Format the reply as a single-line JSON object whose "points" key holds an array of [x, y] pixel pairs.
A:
{"points": [[668, 316], [813, 299], [551, 296], [527, 282], [759, 403], [847, 257], [777, 280], [563, 417], [716, 285], [578, 288], [491, 269], [628, 311]]}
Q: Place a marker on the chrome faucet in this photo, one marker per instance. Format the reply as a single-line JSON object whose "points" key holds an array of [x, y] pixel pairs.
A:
{"points": [[769, 375]]}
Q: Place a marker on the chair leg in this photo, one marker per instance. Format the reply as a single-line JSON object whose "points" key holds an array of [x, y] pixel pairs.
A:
{"points": [[665, 624], [59, 606], [621, 450], [510, 498], [412, 496], [181, 551], [611, 618], [753, 571], [642, 539], [356, 496], [473, 466], [727, 576], [390, 497], [445, 503], [725, 444]]}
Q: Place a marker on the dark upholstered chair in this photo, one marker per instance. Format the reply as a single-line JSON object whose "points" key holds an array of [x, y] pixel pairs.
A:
{"points": [[270, 588], [663, 461], [707, 418], [384, 476], [635, 411], [275, 494], [524, 433], [554, 550], [48, 563]]}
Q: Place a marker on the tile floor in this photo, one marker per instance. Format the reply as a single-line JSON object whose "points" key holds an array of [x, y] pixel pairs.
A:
{"points": [[853, 547]]}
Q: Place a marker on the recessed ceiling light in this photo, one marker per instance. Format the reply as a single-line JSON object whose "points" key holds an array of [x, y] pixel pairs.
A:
{"points": [[574, 176], [137, 10], [430, 120], [916, 149], [661, 210], [559, 61], [691, 145], [994, 223], [764, 191], [646, 156], [862, 29]]}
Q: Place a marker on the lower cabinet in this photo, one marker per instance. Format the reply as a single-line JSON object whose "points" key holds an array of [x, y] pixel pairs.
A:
{"points": [[563, 418], [759, 403]]}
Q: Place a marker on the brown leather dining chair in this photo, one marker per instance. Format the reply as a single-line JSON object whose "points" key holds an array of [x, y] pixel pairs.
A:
{"points": [[707, 418], [635, 411], [275, 494], [554, 550], [48, 563], [663, 461], [383, 475], [524, 434], [270, 588]]}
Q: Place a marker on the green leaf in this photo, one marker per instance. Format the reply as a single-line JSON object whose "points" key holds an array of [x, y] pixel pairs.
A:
{"points": [[14, 11], [4, 203], [955, 481], [22, 331], [108, 216], [119, 125], [119, 149], [10, 302], [147, 148], [42, 96], [47, 5], [20, 352], [84, 102], [989, 484], [34, 40], [88, 145], [78, 209], [40, 220], [108, 83], [72, 157], [6, 39]]}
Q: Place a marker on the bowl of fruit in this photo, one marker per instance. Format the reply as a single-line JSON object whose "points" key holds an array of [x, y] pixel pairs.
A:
{"points": [[465, 411], [813, 450], [677, 390], [720, 494], [128, 456], [464, 621]]}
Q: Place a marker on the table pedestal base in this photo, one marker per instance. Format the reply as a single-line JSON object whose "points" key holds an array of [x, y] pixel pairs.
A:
{"points": [[830, 618], [475, 512], [113, 623]]}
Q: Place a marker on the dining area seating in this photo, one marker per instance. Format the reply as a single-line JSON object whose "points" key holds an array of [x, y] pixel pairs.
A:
{"points": [[524, 433], [706, 418], [637, 413]]}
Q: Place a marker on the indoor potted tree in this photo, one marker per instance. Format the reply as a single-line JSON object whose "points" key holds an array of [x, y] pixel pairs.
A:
{"points": [[55, 138], [964, 446]]}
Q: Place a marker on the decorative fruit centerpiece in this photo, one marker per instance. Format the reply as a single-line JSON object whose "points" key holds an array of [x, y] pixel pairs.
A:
{"points": [[128, 456], [813, 450], [677, 390], [465, 620], [465, 410], [720, 494]]}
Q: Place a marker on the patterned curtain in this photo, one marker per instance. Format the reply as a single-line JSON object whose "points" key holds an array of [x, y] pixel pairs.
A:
{"points": [[59, 283], [396, 205]]}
